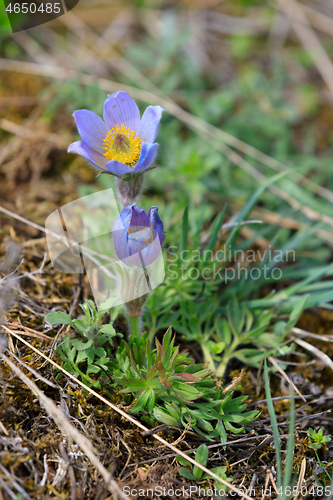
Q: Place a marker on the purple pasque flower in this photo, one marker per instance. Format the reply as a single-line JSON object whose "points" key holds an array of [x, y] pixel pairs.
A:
{"points": [[138, 237], [122, 143]]}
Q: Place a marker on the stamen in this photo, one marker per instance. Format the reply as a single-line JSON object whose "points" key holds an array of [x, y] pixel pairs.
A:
{"points": [[142, 234], [122, 145]]}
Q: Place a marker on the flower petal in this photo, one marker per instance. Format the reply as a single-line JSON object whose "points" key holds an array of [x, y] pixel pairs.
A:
{"points": [[138, 237], [91, 128], [92, 156], [156, 223], [151, 253], [139, 217], [147, 156], [149, 123], [139, 234], [120, 233], [117, 167], [120, 109]]}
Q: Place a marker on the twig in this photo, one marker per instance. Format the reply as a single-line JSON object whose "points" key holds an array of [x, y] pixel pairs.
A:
{"points": [[265, 488], [303, 419], [71, 472], [288, 379], [27, 133], [7, 490], [29, 331], [326, 360], [34, 372], [309, 40], [280, 398], [305, 333], [300, 479], [15, 484], [46, 471], [318, 20], [12, 273], [243, 223]]}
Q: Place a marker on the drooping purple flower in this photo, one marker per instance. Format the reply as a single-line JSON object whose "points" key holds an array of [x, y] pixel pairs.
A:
{"points": [[122, 143], [138, 237]]}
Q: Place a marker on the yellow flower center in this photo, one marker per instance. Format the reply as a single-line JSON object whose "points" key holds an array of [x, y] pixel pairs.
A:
{"points": [[121, 145]]}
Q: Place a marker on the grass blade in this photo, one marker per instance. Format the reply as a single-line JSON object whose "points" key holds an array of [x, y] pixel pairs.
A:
{"points": [[274, 425], [216, 229], [290, 445], [184, 238]]}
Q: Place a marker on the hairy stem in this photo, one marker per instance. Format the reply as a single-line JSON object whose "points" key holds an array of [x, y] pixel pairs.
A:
{"points": [[134, 325], [129, 190]]}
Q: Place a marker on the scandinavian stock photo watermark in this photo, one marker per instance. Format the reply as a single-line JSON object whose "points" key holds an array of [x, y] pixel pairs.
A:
{"points": [[227, 264]]}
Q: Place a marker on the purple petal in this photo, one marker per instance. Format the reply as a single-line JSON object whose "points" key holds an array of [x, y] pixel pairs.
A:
{"points": [[149, 123], [124, 219], [147, 156], [156, 223], [92, 156], [150, 254], [139, 222], [142, 246], [91, 128], [120, 109], [139, 217], [117, 167], [120, 233]]}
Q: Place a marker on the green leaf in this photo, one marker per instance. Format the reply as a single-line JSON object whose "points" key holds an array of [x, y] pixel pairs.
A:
{"points": [[81, 356], [186, 391], [71, 355], [59, 318], [298, 309], [141, 402], [80, 327], [182, 461], [151, 401], [92, 369], [201, 457], [202, 454], [107, 305], [312, 433], [100, 352], [315, 446], [187, 474], [108, 329], [162, 415], [81, 346], [133, 385]]}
